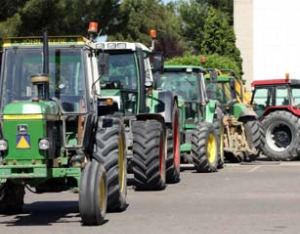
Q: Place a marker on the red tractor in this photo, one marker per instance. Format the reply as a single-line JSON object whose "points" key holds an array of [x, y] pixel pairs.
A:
{"points": [[277, 104]]}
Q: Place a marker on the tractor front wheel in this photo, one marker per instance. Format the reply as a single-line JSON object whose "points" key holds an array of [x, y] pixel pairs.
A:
{"points": [[93, 194], [205, 148], [109, 148], [282, 132], [11, 198]]}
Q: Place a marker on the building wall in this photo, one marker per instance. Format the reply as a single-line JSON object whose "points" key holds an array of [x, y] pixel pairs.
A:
{"points": [[268, 36], [243, 26]]}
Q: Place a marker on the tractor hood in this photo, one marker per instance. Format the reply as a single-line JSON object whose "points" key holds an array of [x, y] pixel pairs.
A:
{"points": [[31, 107]]}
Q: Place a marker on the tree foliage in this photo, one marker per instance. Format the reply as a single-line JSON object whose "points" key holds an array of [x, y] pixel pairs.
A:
{"points": [[31, 17], [219, 37], [136, 19], [194, 26]]}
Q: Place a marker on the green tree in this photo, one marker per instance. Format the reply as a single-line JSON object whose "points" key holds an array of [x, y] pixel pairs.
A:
{"points": [[137, 17], [193, 14], [30, 17], [219, 37]]}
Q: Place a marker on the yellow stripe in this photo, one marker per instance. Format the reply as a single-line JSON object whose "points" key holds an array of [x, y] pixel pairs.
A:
{"points": [[23, 116]]}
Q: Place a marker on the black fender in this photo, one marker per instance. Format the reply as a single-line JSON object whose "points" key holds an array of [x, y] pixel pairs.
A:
{"points": [[148, 116], [169, 99], [248, 114]]}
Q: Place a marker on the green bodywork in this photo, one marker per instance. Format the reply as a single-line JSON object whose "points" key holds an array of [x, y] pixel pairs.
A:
{"points": [[191, 97]]}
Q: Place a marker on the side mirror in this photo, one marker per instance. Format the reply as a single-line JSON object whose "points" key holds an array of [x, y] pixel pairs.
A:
{"points": [[157, 62], [103, 63]]}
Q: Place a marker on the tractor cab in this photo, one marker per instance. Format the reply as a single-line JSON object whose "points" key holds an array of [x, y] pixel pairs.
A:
{"points": [[130, 74], [61, 95], [274, 94], [188, 83]]}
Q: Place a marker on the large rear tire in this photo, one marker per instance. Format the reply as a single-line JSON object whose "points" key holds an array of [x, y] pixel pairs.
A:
{"points": [[282, 132], [93, 194], [11, 198], [173, 149], [204, 148], [110, 149], [149, 155]]}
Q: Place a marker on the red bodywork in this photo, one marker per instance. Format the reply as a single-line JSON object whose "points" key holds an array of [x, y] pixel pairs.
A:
{"points": [[293, 109], [275, 82]]}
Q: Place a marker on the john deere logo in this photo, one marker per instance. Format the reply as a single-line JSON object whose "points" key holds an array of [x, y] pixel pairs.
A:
{"points": [[22, 142]]}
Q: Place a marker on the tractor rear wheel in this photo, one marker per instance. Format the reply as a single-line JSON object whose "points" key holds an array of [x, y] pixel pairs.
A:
{"points": [[173, 150], [11, 198], [110, 149], [93, 194], [149, 149], [282, 131], [254, 137], [204, 148]]}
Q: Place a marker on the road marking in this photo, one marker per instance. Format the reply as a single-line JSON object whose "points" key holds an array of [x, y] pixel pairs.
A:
{"points": [[254, 169]]}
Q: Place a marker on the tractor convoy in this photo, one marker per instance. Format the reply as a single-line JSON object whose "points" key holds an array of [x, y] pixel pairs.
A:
{"points": [[80, 114]]}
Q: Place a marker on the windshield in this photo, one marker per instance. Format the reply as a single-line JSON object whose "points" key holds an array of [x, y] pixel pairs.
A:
{"points": [[67, 82], [122, 72], [296, 95], [223, 93], [184, 84]]}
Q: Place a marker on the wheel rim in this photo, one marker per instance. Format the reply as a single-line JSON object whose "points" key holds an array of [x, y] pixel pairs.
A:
{"points": [[176, 143], [102, 194], [121, 165], [279, 136], [211, 148]]}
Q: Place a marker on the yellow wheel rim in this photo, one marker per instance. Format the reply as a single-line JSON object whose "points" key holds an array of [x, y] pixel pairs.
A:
{"points": [[211, 148], [122, 178], [102, 194]]}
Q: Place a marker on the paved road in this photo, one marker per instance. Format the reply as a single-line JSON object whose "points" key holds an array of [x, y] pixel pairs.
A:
{"points": [[238, 199]]}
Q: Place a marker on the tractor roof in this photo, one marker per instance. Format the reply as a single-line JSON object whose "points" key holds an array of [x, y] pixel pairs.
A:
{"points": [[275, 82], [184, 68], [222, 78], [38, 41], [121, 45]]}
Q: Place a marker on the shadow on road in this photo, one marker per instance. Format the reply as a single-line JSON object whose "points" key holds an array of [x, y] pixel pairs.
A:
{"points": [[46, 213]]}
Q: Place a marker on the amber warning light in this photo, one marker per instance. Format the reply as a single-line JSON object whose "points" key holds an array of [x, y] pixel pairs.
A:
{"points": [[93, 27], [153, 33], [287, 75]]}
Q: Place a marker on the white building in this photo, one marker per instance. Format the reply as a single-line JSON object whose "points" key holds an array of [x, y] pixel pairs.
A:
{"points": [[268, 35]]}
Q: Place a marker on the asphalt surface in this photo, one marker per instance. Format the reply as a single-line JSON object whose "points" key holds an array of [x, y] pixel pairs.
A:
{"points": [[259, 198]]}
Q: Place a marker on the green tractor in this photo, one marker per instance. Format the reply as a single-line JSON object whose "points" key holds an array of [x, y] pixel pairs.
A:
{"points": [[200, 122], [150, 117], [243, 133], [53, 137]]}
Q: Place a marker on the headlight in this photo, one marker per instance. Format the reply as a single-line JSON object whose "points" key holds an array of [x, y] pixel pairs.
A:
{"points": [[111, 46], [3, 145], [121, 46], [44, 144]]}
